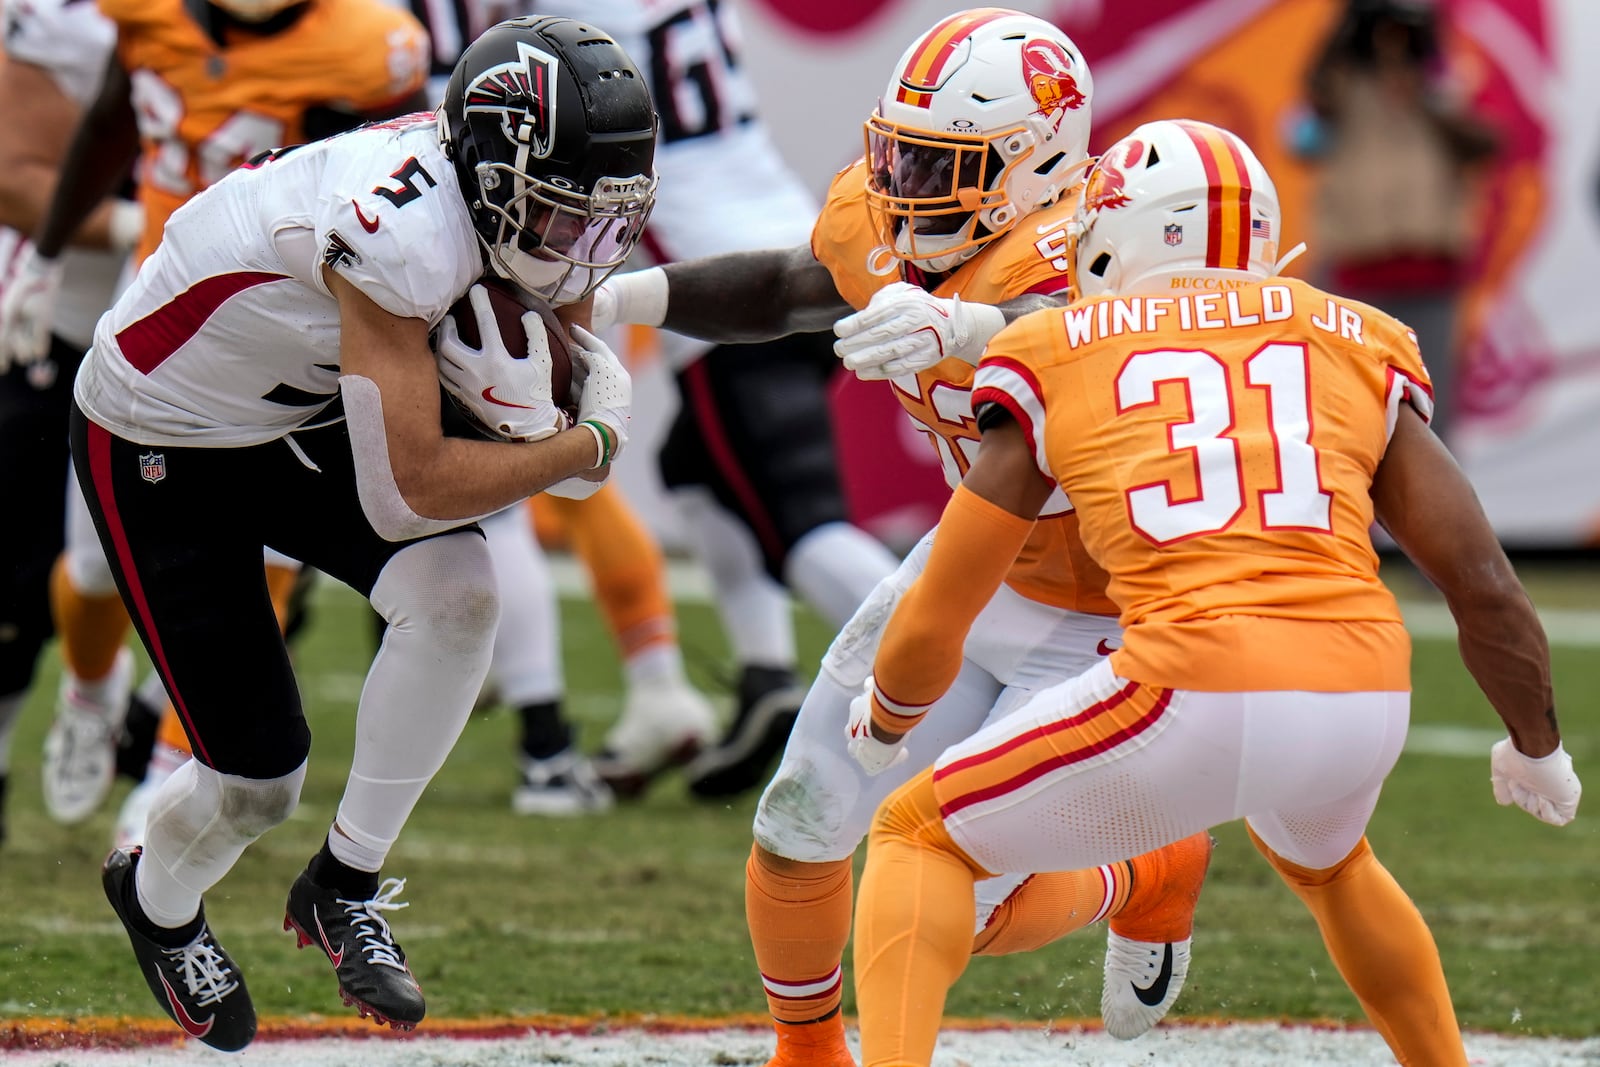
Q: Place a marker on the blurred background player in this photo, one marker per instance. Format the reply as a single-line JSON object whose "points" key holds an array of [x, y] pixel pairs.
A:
{"points": [[192, 91], [1228, 457], [665, 720], [1398, 156], [750, 458], [975, 145], [55, 53]]}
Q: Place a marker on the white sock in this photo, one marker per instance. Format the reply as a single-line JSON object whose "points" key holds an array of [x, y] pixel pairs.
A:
{"points": [[526, 666], [834, 567], [438, 597], [755, 609], [658, 663]]}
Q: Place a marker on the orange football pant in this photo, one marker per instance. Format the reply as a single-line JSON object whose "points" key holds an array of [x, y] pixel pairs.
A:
{"points": [[624, 561]]}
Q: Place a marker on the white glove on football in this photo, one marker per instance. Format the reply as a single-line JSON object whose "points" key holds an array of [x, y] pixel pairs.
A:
{"points": [[1546, 788], [509, 395], [27, 307], [605, 392], [905, 329], [874, 756]]}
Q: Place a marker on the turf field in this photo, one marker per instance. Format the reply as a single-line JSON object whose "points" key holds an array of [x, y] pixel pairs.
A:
{"points": [[640, 911]]}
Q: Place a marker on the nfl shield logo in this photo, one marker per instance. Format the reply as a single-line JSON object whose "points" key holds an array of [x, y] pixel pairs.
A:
{"points": [[152, 467], [1173, 233]]}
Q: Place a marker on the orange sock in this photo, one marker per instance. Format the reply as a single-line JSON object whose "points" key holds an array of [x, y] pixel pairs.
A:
{"points": [[92, 628], [1052, 905], [914, 918], [625, 562], [1166, 888], [170, 732], [1382, 947], [280, 586], [799, 919]]}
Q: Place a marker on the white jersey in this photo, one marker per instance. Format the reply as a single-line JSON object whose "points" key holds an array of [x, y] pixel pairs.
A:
{"points": [[229, 335], [71, 42]]}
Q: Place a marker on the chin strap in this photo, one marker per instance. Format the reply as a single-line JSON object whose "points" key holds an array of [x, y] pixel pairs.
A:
{"points": [[1288, 257]]}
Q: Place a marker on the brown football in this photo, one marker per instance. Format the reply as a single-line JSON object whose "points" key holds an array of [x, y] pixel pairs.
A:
{"points": [[509, 304]]}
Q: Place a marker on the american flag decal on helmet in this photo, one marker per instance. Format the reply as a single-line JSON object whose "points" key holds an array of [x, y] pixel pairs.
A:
{"points": [[523, 92]]}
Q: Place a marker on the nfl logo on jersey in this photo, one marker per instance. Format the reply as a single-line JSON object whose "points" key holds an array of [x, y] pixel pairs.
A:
{"points": [[1173, 233], [152, 466]]}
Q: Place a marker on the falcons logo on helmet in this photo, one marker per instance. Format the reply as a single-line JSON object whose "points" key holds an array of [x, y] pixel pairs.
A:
{"points": [[523, 94]]}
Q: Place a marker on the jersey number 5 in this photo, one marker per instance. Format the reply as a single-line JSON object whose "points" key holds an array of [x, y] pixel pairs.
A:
{"points": [[1281, 371]]}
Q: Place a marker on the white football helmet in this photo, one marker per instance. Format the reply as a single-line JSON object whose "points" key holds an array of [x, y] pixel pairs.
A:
{"points": [[1172, 201], [985, 120]]}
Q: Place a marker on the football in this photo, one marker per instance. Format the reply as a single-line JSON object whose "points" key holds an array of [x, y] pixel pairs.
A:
{"points": [[509, 304]]}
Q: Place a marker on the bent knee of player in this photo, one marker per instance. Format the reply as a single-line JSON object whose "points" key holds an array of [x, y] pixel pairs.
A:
{"points": [[805, 814], [443, 591], [253, 805]]}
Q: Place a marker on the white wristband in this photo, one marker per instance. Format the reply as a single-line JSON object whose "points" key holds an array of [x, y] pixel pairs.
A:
{"points": [[641, 296], [125, 226], [986, 320]]}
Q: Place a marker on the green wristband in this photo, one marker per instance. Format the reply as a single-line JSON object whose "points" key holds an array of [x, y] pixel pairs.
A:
{"points": [[607, 441]]}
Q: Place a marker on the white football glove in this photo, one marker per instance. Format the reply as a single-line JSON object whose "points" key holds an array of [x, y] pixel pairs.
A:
{"points": [[509, 395], [27, 307], [605, 392], [905, 329], [874, 756], [1546, 788]]}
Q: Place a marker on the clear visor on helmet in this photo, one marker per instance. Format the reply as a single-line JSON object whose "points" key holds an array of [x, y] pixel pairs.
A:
{"points": [[924, 189], [560, 244]]}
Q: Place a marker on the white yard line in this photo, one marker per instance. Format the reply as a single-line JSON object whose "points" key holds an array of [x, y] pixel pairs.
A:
{"points": [[1233, 1045]]}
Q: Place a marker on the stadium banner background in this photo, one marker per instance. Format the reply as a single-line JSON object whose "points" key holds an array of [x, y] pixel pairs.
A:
{"points": [[1528, 411]]}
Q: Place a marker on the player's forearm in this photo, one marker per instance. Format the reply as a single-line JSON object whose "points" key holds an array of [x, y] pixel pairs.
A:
{"points": [[102, 149], [745, 297], [1504, 648], [921, 650], [464, 479]]}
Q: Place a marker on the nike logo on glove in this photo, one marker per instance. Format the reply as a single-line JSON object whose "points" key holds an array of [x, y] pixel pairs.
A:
{"points": [[488, 394], [191, 1026], [1157, 991], [1105, 648], [337, 958]]}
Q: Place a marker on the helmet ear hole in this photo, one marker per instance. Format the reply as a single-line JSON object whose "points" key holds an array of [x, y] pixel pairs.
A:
{"points": [[1101, 264]]}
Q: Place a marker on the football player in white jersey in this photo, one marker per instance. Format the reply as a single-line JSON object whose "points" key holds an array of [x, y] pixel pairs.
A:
{"points": [[54, 55], [268, 379], [750, 458]]}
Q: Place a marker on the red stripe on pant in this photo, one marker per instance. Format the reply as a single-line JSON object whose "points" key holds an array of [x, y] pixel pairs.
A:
{"points": [[105, 494], [697, 387]]}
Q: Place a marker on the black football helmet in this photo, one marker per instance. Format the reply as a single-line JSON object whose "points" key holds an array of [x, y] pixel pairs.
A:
{"points": [[552, 134]]}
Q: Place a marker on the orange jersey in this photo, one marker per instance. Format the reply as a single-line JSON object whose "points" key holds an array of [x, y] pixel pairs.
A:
{"points": [[204, 108], [1220, 449], [1053, 567]]}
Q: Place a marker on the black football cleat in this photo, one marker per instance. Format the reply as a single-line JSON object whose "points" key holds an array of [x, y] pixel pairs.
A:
{"points": [[196, 983], [354, 935], [769, 704]]}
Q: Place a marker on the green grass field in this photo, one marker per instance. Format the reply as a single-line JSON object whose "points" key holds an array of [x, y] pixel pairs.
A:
{"points": [[641, 910]]}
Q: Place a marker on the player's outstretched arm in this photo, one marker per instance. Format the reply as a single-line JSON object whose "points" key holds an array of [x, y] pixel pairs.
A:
{"points": [[733, 298], [102, 149], [1426, 503], [983, 527], [414, 480]]}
